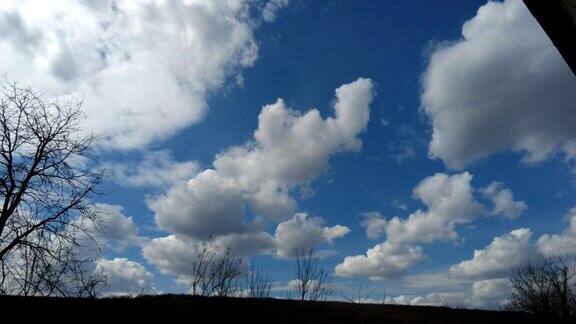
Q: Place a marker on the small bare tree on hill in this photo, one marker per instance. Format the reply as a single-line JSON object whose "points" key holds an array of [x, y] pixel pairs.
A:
{"points": [[215, 270], [361, 296], [313, 282], [257, 285], [545, 286]]}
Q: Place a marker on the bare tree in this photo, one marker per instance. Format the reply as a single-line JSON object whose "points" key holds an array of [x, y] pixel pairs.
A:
{"points": [[544, 286], [202, 255], [257, 285], [312, 281], [48, 175], [215, 270], [63, 271], [226, 270], [383, 301], [361, 296]]}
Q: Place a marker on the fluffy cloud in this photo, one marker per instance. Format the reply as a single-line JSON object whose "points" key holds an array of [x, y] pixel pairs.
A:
{"points": [[374, 223], [490, 293], [248, 243], [560, 244], [208, 204], [289, 149], [503, 201], [302, 232], [156, 169], [114, 230], [510, 250], [432, 299], [385, 260], [450, 202], [125, 277], [491, 265], [172, 254], [502, 255], [271, 9], [484, 294], [502, 87], [143, 69]]}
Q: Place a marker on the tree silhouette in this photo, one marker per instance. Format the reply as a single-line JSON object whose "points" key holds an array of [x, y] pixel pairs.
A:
{"points": [[48, 175]]}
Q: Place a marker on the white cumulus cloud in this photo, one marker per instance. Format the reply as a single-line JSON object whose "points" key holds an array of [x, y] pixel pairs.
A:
{"points": [[454, 299], [112, 230], [206, 205], [385, 260], [374, 223], [560, 244], [259, 179], [171, 255], [503, 201], [303, 232], [503, 86], [289, 149], [501, 256], [125, 277], [450, 202], [144, 69], [490, 293]]}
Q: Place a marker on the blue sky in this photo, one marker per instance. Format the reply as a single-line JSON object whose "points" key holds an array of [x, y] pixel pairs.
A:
{"points": [[450, 114]]}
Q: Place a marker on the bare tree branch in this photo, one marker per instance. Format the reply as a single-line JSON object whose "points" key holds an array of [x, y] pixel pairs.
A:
{"points": [[313, 282], [48, 175], [215, 270], [360, 297], [544, 286], [257, 285]]}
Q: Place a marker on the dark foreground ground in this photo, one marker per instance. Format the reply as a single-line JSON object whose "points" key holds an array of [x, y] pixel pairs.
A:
{"points": [[189, 309]]}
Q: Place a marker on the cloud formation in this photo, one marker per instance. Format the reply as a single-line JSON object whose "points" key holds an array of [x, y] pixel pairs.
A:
{"points": [[206, 205], [385, 260], [254, 185], [303, 232], [374, 223], [172, 254], [491, 293], [503, 86], [560, 244], [503, 201], [156, 169], [113, 230], [271, 9], [289, 149], [484, 293], [450, 202], [502, 255], [125, 277], [432, 299], [144, 70], [491, 266]]}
